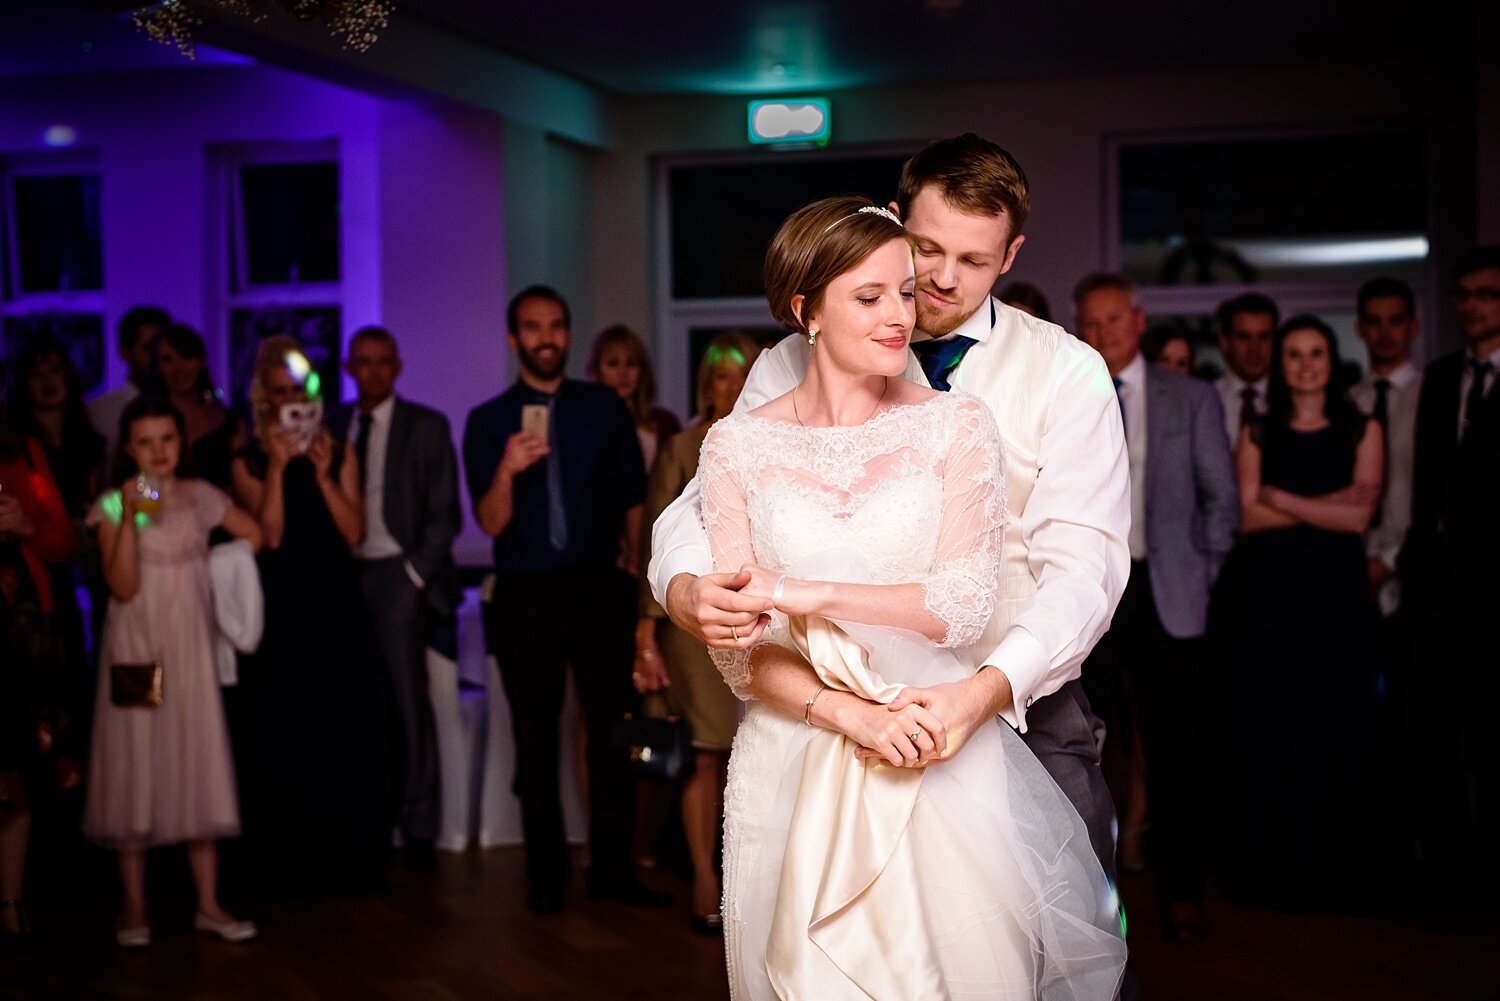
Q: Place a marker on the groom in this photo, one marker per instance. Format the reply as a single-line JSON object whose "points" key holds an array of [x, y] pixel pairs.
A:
{"points": [[1065, 557]]}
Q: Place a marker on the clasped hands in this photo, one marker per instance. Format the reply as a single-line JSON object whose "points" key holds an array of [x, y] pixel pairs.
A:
{"points": [[729, 611]]}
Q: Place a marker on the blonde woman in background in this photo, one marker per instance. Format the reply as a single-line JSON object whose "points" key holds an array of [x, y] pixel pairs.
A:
{"points": [[665, 656], [312, 751]]}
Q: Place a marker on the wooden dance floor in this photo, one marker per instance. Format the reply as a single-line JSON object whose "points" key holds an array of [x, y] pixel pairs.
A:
{"points": [[463, 933]]}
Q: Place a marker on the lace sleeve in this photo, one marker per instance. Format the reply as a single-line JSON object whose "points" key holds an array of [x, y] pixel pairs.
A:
{"points": [[726, 520], [961, 591]]}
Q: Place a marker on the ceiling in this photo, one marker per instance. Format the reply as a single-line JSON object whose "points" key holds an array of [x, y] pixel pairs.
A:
{"points": [[768, 46]]}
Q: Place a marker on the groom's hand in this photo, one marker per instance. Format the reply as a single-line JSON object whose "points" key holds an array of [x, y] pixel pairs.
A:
{"points": [[964, 705], [713, 609]]}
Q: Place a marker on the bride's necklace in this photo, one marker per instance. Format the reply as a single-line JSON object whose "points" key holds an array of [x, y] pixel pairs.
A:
{"points": [[883, 390]]}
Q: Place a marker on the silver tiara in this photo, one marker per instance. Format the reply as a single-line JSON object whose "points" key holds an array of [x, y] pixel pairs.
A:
{"points": [[867, 210]]}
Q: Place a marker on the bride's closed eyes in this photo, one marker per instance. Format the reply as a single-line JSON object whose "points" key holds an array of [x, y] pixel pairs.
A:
{"points": [[871, 300]]}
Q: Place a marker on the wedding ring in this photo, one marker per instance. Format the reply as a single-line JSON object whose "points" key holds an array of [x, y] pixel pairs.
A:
{"points": [[735, 633], [914, 735]]}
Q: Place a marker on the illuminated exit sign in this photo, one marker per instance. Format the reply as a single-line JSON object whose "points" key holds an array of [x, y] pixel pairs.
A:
{"points": [[804, 121]]}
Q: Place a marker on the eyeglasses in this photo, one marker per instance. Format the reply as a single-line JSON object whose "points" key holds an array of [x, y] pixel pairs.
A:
{"points": [[1461, 295]]}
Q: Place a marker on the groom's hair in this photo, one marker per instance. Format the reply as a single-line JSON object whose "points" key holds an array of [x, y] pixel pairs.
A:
{"points": [[815, 245], [973, 175]]}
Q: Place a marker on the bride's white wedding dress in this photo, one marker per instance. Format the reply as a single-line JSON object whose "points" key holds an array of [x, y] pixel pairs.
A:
{"points": [[972, 878]]}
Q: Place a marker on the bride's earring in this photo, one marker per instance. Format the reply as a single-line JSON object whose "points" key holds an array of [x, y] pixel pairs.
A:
{"points": [[812, 336]]}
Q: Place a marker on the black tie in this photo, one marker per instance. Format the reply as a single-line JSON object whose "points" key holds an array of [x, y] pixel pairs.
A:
{"points": [[362, 445], [1481, 371], [1247, 406], [1119, 383], [940, 358], [1382, 413]]}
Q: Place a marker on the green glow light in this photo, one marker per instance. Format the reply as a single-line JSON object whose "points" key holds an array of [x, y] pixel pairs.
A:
{"points": [[112, 506], [314, 385]]}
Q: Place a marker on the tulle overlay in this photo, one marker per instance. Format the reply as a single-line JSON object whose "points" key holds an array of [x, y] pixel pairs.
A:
{"points": [[970, 879]]}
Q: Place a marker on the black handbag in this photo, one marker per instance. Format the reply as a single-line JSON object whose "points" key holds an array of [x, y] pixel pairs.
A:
{"points": [[655, 747]]}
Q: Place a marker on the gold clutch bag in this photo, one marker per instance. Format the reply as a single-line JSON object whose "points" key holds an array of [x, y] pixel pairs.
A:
{"points": [[135, 686]]}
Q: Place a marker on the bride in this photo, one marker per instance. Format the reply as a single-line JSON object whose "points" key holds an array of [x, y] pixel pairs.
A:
{"points": [[869, 511]]}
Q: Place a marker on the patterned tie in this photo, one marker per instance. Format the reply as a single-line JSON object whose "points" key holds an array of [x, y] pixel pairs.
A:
{"points": [[557, 514], [1481, 372], [362, 445], [940, 358], [1120, 399]]}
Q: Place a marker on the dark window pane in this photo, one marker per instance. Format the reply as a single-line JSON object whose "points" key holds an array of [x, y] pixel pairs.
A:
{"points": [[316, 329], [1295, 209], [291, 218], [724, 215], [57, 232]]}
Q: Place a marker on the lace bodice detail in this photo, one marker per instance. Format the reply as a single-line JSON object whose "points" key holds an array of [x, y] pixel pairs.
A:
{"points": [[916, 494]]}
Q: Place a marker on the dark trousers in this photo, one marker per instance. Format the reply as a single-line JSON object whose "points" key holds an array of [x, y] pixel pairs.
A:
{"points": [[1454, 741], [1138, 662], [537, 625], [1066, 737], [398, 612]]}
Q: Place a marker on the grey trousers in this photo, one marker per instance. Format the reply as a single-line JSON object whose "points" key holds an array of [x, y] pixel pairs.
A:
{"points": [[398, 611], [1067, 738]]}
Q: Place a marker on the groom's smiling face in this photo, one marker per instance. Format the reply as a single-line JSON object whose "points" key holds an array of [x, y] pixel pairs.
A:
{"points": [[959, 257]]}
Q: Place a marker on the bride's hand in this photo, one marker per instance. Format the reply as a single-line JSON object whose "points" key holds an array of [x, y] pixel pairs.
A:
{"points": [[888, 735], [797, 597]]}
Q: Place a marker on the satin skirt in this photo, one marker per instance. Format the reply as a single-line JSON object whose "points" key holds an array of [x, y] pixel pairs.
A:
{"points": [[972, 878]]}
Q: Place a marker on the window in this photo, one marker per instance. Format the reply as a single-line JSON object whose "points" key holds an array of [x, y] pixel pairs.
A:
{"points": [[1303, 218], [281, 272], [52, 257], [715, 218]]}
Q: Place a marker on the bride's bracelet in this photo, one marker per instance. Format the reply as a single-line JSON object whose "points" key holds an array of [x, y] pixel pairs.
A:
{"points": [[808, 704], [776, 594]]}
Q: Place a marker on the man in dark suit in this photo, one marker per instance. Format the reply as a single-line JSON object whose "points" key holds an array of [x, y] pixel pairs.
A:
{"points": [[555, 471], [1450, 577], [409, 474], [1184, 513]]}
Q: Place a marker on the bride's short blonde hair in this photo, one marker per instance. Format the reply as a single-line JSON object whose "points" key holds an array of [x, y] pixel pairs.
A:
{"points": [[815, 245]]}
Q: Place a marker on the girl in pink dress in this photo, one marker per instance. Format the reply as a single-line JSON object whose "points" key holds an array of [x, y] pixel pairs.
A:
{"points": [[162, 774]]}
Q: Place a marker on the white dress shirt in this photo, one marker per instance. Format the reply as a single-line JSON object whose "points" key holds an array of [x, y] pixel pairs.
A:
{"points": [[377, 543], [105, 411], [1384, 540], [1229, 387], [1132, 393], [1466, 382], [1067, 482]]}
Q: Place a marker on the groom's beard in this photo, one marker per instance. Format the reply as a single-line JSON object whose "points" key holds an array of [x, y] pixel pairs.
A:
{"points": [[940, 322]]}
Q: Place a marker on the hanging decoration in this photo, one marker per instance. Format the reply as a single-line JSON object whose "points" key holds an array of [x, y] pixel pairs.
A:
{"points": [[356, 24]]}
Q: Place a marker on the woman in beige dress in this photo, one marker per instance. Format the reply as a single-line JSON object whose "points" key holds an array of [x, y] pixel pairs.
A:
{"points": [[162, 774], [665, 656]]}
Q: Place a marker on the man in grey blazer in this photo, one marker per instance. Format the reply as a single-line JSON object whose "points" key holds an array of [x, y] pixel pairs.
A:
{"points": [[1184, 513], [409, 474]]}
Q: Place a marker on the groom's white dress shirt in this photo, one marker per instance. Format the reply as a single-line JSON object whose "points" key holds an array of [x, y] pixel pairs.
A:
{"points": [[1065, 558]]}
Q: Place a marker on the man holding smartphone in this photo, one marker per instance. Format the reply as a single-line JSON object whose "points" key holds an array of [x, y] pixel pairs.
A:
{"points": [[555, 470]]}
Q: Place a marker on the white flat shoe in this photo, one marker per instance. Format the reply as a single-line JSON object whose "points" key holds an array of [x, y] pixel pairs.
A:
{"points": [[133, 938], [229, 931]]}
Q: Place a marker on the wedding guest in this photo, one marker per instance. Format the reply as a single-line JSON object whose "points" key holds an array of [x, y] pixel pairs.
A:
{"points": [[34, 530], [620, 361], [180, 374], [1170, 348], [1309, 476], [1184, 512], [555, 471], [667, 656], [136, 334], [48, 406], [1247, 325], [1028, 299], [314, 763], [1450, 579], [405, 560], [161, 772]]}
